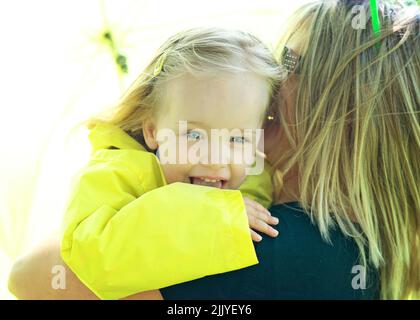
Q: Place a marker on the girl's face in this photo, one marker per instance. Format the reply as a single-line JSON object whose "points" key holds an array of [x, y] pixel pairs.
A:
{"points": [[204, 127]]}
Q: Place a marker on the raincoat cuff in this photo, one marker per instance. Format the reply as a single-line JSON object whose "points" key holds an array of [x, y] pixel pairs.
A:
{"points": [[237, 236]]}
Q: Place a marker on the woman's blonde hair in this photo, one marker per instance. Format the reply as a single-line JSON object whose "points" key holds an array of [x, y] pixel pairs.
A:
{"points": [[198, 52], [355, 134]]}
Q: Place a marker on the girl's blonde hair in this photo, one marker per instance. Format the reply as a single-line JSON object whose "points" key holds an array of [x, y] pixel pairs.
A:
{"points": [[355, 134], [198, 51]]}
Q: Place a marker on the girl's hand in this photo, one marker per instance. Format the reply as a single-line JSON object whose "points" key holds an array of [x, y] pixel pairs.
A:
{"points": [[260, 219]]}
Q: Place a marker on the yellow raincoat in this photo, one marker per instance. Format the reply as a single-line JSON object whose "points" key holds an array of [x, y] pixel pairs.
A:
{"points": [[126, 231]]}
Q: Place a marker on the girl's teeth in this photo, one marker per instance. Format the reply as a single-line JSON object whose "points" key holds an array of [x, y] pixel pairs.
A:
{"points": [[207, 182]]}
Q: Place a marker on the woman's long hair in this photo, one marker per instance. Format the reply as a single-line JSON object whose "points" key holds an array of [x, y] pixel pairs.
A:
{"points": [[355, 133]]}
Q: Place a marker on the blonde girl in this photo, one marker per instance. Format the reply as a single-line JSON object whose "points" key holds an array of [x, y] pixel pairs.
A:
{"points": [[130, 213]]}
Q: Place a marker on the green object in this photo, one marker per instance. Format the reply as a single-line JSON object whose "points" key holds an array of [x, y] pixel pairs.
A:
{"points": [[119, 59], [376, 24]]}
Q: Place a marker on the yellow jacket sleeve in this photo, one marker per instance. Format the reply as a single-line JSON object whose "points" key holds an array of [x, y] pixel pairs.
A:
{"points": [[259, 187], [125, 231]]}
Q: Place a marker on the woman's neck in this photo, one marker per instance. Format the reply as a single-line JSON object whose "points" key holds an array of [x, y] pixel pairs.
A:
{"points": [[289, 192], [289, 188]]}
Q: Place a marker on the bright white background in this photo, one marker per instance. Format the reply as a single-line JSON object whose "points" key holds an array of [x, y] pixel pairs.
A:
{"points": [[55, 71]]}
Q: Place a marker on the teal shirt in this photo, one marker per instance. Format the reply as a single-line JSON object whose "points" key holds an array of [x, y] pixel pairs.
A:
{"points": [[297, 264]]}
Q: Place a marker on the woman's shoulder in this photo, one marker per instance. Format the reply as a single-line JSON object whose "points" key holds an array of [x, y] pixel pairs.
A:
{"points": [[310, 266]]}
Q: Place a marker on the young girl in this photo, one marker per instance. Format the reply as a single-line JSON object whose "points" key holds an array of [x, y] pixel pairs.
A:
{"points": [[200, 80]]}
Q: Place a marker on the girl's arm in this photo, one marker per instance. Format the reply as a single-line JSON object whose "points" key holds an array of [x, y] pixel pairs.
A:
{"points": [[32, 277]]}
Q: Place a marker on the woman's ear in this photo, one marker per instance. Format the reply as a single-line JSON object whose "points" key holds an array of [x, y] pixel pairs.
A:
{"points": [[149, 134]]}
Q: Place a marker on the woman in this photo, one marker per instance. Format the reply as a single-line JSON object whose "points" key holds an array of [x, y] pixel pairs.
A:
{"points": [[347, 142]]}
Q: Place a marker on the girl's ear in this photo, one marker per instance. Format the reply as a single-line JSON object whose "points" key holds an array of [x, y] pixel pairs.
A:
{"points": [[149, 134]]}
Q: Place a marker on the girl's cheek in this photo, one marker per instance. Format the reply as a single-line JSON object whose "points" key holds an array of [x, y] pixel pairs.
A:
{"points": [[238, 175], [167, 173], [172, 173]]}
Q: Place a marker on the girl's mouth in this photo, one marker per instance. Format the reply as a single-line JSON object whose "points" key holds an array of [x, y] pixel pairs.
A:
{"points": [[214, 182]]}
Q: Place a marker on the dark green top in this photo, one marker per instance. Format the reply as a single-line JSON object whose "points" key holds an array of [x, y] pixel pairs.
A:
{"points": [[297, 264]]}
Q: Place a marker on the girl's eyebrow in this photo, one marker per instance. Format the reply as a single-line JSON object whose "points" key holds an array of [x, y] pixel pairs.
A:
{"points": [[197, 123], [206, 125]]}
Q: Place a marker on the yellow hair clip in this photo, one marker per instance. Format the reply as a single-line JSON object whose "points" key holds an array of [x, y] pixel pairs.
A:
{"points": [[159, 64]]}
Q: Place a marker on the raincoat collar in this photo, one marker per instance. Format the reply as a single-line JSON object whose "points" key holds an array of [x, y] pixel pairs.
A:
{"points": [[105, 136]]}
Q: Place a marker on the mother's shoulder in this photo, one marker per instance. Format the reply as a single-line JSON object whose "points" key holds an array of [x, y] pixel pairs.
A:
{"points": [[307, 264], [297, 227]]}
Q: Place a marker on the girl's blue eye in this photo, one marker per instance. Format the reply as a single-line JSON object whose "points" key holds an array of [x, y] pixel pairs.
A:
{"points": [[194, 135], [237, 140]]}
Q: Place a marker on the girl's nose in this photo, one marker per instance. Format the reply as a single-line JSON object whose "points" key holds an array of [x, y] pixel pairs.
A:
{"points": [[216, 166], [216, 155]]}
